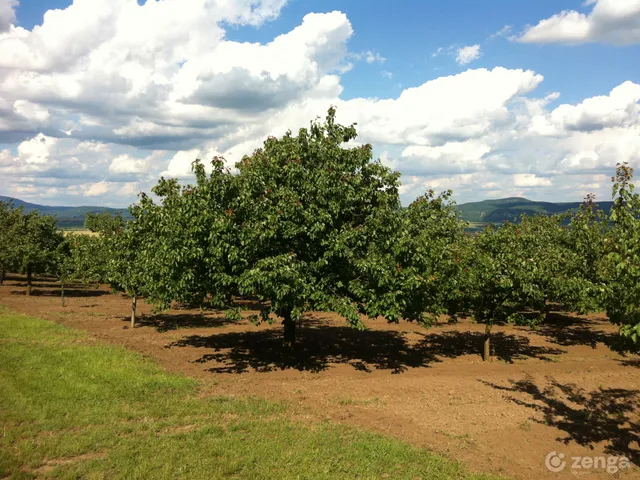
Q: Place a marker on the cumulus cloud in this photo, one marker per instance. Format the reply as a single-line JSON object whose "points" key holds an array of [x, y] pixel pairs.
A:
{"points": [[618, 109], [126, 164], [530, 180], [124, 68], [97, 102], [513, 145], [7, 14], [66, 169], [54, 157], [31, 111], [468, 54], [609, 21], [180, 164], [97, 189], [451, 157], [451, 108]]}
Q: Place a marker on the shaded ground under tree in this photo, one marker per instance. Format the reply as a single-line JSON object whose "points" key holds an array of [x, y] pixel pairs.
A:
{"points": [[174, 321], [321, 345], [48, 286], [609, 415], [72, 291], [566, 330], [466, 410]]}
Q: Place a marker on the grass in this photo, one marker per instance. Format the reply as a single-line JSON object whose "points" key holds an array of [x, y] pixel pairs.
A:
{"points": [[526, 426], [78, 231], [72, 410], [466, 440]]}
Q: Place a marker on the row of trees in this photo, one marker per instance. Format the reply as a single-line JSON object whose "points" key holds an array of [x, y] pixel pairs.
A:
{"points": [[310, 224], [29, 243]]}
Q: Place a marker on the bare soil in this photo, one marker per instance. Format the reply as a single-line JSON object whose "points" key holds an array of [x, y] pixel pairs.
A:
{"points": [[560, 388]]}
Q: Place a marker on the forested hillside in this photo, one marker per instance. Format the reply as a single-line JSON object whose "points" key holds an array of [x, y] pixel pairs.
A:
{"points": [[66, 217], [501, 209]]}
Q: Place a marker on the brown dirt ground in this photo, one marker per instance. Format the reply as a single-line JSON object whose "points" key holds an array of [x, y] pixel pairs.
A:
{"points": [[558, 389]]}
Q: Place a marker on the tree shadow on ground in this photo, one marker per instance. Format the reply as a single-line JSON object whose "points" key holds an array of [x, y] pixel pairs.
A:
{"points": [[630, 363], [172, 321], [20, 280], [320, 346], [608, 415], [12, 277], [40, 284], [567, 331], [504, 347], [55, 292]]}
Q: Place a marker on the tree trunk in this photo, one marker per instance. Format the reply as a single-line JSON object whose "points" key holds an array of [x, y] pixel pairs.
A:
{"points": [[2, 275], [546, 309], [134, 301], [62, 291], [28, 282], [289, 331], [486, 353]]}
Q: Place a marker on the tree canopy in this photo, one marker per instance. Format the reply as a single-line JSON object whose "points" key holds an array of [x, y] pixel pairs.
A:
{"points": [[301, 207], [312, 222], [34, 243], [622, 256]]}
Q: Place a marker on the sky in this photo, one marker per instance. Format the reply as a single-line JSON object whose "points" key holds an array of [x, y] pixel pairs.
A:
{"points": [[491, 99]]}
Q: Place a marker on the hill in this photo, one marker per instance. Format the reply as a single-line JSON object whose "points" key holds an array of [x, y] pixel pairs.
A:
{"points": [[66, 217], [476, 213], [501, 209]]}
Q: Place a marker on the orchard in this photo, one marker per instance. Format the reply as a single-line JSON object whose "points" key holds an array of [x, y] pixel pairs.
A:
{"points": [[310, 222]]}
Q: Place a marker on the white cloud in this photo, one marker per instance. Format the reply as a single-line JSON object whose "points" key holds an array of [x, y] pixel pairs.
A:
{"points": [[503, 32], [373, 57], [368, 56], [463, 55], [508, 143], [530, 180], [130, 71], [450, 157], [450, 108], [610, 21], [620, 108], [31, 111], [97, 189], [113, 103], [386, 74], [126, 164], [7, 14], [468, 54], [62, 169], [180, 164]]}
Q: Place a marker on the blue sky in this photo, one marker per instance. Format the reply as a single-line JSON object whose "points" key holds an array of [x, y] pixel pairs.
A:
{"points": [[447, 123], [407, 32]]}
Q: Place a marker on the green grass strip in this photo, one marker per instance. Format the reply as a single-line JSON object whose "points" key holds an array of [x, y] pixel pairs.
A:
{"points": [[73, 410]]}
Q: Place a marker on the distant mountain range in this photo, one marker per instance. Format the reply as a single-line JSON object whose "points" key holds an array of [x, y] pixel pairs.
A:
{"points": [[66, 217], [476, 213], [501, 209]]}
